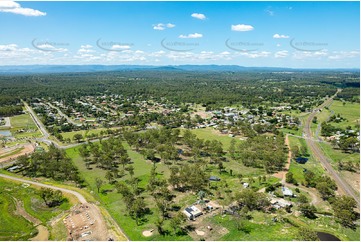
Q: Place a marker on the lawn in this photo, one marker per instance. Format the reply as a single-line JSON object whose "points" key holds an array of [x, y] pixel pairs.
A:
{"points": [[84, 133], [349, 111], [33, 205], [312, 165], [25, 122], [336, 155], [259, 228], [212, 134]]}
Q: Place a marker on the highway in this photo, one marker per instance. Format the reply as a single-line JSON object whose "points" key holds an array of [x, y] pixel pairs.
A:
{"points": [[319, 155]]}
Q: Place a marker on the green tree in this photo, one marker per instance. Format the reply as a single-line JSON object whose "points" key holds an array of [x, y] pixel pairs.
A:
{"points": [[307, 234], [98, 183], [343, 207], [78, 137]]}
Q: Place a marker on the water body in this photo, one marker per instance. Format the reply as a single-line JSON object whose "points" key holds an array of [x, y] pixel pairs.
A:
{"points": [[327, 237], [5, 133], [301, 160]]}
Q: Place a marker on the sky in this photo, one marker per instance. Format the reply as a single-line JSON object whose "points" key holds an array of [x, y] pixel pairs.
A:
{"points": [[263, 34]]}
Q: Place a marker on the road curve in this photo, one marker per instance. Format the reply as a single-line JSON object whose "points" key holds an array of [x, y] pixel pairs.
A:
{"points": [[80, 197], [319, 155]]}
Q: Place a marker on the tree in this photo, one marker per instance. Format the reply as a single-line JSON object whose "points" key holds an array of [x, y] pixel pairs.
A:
{"points": [[325, 190], [109, 176], [51, 197], [78, 137], [130, 169], [290, 178], [98, 183], [308, 210], [232, 148], [343, 207], [307, 234], [137, 210], [177, 221]]}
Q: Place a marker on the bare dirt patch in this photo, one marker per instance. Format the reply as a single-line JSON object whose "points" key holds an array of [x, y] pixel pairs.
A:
{"points": [[85, 222], [27, 149], [148, 233]]}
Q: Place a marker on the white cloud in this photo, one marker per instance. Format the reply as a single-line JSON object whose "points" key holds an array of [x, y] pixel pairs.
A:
{"points": [[120, 47], [339, 55], [281, 54], [256, 54], [242, 27], [200, 16], [278, 45], [161, 26], [280, 36], [13, 7], [190, 36]]}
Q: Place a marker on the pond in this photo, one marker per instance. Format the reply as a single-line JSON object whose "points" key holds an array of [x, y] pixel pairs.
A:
{"points": [[301, 160], [5, 133], [327, 237]]}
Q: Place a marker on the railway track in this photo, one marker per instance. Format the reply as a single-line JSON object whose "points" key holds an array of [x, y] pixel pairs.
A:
{"points": [[319, 155]]}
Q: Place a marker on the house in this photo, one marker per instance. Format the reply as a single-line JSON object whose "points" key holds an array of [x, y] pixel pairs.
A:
{"points": [[214, 178], [192, 212], [280, 203], [287, 192]]}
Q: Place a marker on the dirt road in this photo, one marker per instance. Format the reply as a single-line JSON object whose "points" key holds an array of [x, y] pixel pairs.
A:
{"points": [[27, 149]]}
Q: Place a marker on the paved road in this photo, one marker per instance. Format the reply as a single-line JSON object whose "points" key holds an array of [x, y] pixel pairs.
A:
{"points": [[319, 155], [80, 197], [37, 121], [62, 114]]}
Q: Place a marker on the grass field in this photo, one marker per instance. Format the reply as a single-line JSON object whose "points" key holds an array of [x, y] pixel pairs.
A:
{"points": [[25, 122], [113, 201], [33, 205], [212, 134], [311, 164], [349, 111], [70, 135], [336, 155]]}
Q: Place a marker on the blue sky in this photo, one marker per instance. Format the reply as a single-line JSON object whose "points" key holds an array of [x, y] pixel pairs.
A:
{"points": [[279, 34]]}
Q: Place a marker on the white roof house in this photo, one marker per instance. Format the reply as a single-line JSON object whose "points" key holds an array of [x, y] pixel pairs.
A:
{"points": [[192, 212], [287, 192]]}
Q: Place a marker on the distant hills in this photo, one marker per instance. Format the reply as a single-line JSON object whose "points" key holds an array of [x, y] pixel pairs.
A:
{"points": [[24, 69]]}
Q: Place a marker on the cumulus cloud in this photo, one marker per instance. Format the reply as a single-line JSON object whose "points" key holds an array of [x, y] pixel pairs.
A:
{"points": [[200, 16], [280, 36], [120, 47], [161, 26], [13, 7], [190, 36], [242, 27]]}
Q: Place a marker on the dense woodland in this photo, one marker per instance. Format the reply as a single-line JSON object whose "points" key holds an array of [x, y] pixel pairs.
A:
{"points": [[227, 88]]}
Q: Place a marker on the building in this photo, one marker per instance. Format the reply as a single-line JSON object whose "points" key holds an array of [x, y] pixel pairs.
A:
{"points": [[287, 192], [192, 212]]}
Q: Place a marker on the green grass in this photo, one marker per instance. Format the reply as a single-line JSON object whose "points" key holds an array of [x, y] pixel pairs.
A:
{"points": [[112, 201], [23, 229], [311, 164], [336, 155], [33, 205], [349, 111], [59, 231], [71, 134], [24, 121], [259, 228], [212, 134]]}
